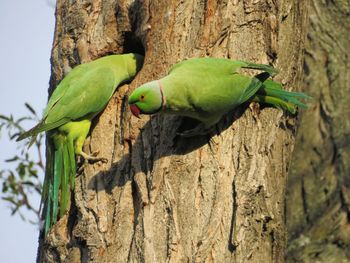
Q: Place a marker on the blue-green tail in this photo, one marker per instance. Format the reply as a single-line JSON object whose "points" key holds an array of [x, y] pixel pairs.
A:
{"points": [[272, 93], [59, 178]]}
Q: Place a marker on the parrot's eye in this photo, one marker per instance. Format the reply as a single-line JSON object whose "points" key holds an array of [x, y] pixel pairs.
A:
{"points": [[142, 97]]}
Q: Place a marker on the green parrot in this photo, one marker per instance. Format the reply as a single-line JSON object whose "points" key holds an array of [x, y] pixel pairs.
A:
{"points": [[207, 88], [78, 98]]}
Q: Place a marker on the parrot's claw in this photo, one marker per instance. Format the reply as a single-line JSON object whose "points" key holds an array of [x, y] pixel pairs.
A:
{"points": [[93, 158]]}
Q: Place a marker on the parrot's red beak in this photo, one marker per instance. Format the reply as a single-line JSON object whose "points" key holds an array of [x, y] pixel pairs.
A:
{"points": [[135, 110]]}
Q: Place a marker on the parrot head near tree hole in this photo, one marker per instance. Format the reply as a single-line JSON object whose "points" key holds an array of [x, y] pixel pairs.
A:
{"points": [[147, 99]]}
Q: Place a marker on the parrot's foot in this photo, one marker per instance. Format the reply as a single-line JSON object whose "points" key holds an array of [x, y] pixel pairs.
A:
{"points": [[93, 158], [199, 130]]}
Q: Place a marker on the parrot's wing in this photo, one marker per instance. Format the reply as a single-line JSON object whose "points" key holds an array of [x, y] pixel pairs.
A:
{"points": [[86, 95], [254, 85], [221, 93], [67, 82], [212, 65], [207, 94], [214, 84], [219, 66]]}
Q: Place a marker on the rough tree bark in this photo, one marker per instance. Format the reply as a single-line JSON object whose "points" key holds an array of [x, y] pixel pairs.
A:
{"points": [[162, 198], [318, 201]]}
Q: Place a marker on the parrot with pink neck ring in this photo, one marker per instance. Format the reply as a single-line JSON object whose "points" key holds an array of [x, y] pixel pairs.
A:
{"points": [[206, 88]]}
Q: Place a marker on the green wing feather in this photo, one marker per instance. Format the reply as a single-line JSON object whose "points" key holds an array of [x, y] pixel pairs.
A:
{"points": [[220, 65], [89, 96], [85, 91], [40, 127], [255, 84], [207, 66]]}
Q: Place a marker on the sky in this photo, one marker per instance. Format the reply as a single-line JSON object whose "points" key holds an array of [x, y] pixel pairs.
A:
{"points": [[26, 34]]}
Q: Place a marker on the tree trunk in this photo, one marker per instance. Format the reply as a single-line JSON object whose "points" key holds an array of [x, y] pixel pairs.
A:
{"points": [[162, 198], [318, 201]]}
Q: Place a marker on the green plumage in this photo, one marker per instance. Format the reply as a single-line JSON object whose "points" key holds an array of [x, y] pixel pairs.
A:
{"points": [[79, 97], [207, 88]]}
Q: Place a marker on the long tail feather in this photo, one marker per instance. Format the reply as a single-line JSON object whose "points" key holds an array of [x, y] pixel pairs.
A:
{"points": [[59, 179], [272, 93], [72, 165], [276, 102], [65, 191], [47, 187]]}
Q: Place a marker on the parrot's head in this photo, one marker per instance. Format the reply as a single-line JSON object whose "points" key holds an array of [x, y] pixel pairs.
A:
{"points": [[147, 99]]}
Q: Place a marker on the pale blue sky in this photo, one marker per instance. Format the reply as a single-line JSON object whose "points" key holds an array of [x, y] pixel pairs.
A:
{"points": [[26, 33]]}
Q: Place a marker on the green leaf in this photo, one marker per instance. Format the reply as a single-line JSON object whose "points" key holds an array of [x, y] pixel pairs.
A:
{"points": [[30, 108], [10, 199], [15, 158], [14, 135], [28, 183], [21, 169], [5, 187], [15, 210], [4, 117]]}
